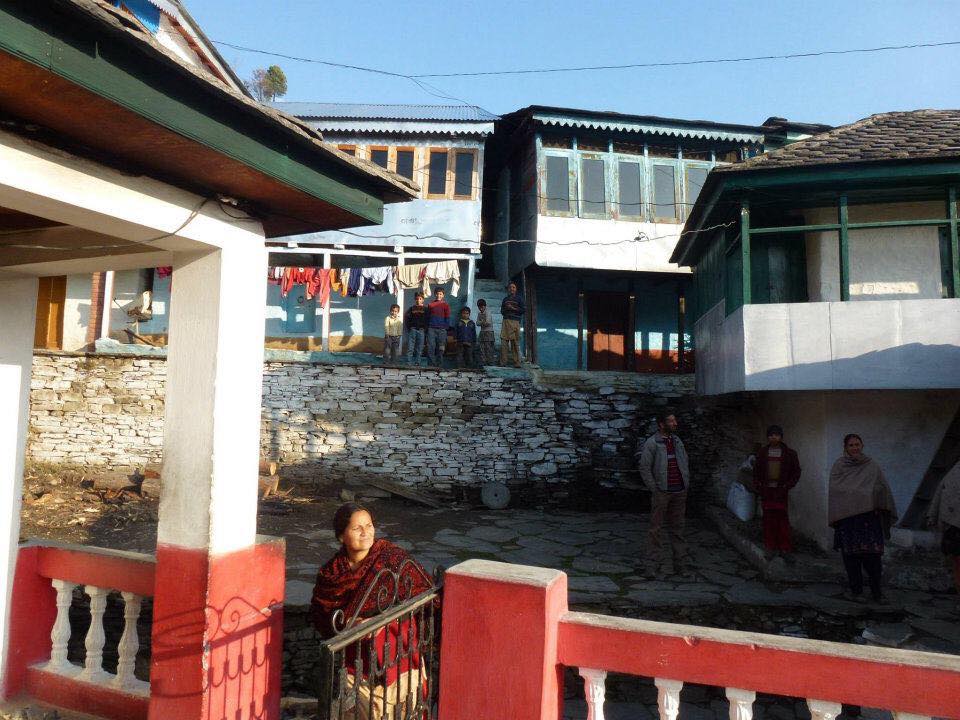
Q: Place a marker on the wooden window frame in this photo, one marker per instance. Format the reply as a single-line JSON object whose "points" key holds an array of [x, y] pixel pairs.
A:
{"points": [[474, 175], [393, 160], [344, 147], [370, 149], [573, 174], [603, 157], [618, 214], [678, 177], [429, 151]]}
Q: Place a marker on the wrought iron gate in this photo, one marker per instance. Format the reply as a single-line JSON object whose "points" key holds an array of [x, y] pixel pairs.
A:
{"points": [[384, 667]]}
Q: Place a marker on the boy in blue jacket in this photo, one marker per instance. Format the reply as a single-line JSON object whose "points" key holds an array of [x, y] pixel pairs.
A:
{"points": [[465, 333]]}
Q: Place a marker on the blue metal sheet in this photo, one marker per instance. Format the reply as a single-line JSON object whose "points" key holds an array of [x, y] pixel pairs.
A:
{"points": [[373, 111]]}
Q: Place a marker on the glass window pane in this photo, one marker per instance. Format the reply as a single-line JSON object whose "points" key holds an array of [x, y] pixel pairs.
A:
{"points": [[558, 184], [696, 176], [463, 175], [437, 182], [664, 191], [630, 199], [379, 157], [405, 163], [594, 189]]}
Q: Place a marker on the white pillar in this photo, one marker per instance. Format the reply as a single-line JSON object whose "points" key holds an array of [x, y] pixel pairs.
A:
{"points": [[824, 710], [471, 271], [107, 305], [668, 697], [18, 309], [741, 703], [594, 691], [211, 439], [325, 321], [400, 263]]}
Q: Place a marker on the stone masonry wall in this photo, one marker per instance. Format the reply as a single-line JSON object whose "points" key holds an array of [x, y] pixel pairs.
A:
{"points": [[439, 430]]}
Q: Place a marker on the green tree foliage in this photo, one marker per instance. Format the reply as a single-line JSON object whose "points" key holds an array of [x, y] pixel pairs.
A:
{"points": [[266, 84]]}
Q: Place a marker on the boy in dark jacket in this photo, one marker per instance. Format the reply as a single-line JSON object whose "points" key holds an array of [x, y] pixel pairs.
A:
{"points": [[512, 310], [465, 333], [416, 321], [775, 472]]}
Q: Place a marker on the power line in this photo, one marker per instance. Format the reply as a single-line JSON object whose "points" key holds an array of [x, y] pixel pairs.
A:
{"points": [[414, 77]]}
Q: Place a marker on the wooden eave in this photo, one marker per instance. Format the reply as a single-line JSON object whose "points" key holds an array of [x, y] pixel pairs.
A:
{"points": [[78, 70]]}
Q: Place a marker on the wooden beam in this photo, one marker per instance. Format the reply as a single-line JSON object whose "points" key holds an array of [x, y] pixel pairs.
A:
{"points": [[745, 250], [579, 325], [954, 244], [844, 236]]}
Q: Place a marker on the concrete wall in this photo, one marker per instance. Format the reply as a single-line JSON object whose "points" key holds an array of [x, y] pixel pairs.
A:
{"points": [[607, 244], [891, 344], [440, 430], [892, 263], [901, 430]]}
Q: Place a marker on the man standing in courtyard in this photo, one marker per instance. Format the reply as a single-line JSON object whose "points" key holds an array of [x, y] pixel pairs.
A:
{"points": [[665, 469], [512, 310], [775, 472]]}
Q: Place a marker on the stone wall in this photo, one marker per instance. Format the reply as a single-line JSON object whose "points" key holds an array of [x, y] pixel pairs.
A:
{"points": [[443, 431]]}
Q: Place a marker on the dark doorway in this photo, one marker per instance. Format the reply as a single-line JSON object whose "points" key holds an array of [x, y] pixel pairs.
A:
{"points": [[607, 315]]}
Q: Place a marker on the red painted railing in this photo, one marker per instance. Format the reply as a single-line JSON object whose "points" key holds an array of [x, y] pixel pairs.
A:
{"points": [[39, 628], [507, 635]]}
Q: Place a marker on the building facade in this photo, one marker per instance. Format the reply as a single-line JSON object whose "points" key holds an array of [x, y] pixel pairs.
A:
{"points": [[584, 209], [826, 278]]}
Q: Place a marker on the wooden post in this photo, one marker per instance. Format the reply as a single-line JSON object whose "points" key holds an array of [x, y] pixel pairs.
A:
{"points": [[954, 243], [471, 271], [534, 356], [631, 328], [745, 251], [681, 325], [844, 235], [579, 325], [325, 321]]}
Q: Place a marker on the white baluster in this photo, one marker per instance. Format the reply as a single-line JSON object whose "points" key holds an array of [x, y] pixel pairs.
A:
{"points": [[60, 634], [93, 664], [594, 689], [128, 646], [824, 710], [668, 697], [908, 716], [741, 703]]}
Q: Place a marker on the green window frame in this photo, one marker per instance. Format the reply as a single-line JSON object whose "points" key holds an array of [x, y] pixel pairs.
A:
{"points": [[624, 166], [591, 205], [548, 182], [665, 211]]}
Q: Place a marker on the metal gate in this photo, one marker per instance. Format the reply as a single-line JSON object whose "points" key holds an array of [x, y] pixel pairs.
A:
{"points": [[384, 667]]}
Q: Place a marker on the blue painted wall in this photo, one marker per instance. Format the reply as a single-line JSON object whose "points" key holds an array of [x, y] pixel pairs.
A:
{"points": [[656, 315]]}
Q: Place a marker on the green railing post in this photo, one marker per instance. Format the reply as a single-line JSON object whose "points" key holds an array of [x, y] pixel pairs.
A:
{"points": [[844, 250], [954, 243], [745, 250]]}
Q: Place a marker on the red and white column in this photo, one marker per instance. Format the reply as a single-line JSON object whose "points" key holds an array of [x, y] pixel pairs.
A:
{"points": [[217, 616], [18, 306]]}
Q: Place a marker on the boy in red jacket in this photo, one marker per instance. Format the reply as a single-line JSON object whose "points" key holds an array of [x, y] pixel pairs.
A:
{"points": [[775, 472]]}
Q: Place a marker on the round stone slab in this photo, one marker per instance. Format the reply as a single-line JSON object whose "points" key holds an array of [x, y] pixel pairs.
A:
{"points": [[495, 495]]}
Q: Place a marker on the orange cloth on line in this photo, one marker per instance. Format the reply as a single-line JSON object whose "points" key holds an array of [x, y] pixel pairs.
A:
{"points": [[319, 284]]}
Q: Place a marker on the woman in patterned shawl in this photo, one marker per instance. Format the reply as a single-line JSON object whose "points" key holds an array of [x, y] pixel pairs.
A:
{"points": [[350, 588]]}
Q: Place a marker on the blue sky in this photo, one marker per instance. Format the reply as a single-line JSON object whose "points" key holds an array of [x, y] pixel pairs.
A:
{"points": [[445, 36]]}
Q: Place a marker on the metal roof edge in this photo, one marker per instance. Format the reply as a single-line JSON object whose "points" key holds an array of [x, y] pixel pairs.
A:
{"points": [[481, 128], [652, 127]]}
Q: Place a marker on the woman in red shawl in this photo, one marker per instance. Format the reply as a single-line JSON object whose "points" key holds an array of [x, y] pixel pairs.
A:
{"points": [[349, 589]]}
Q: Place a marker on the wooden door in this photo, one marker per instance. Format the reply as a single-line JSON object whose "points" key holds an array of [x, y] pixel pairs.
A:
{"points": [[607, 330], [51, 298]]}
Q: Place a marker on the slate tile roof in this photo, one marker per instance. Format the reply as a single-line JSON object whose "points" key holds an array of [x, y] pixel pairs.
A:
{"points": [[913, 135]]}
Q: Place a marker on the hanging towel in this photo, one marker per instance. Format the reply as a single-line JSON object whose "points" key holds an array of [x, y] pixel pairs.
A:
{"points": [[440, 273], [409, 277], [376, 277], [338, 283]]}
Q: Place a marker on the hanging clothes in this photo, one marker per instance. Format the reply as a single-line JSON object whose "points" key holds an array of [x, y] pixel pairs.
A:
{"points": [[165, 271], [376, 278], [319, 285], [409, 277], [294, 276], [336, 282], [440, 273], [274, 275], [355, 284]]}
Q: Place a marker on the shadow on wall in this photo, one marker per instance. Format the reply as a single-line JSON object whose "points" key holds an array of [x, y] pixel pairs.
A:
{"points": [[914, 365]]}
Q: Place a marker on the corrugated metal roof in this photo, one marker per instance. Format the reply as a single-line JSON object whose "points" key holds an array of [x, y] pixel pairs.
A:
{"points": [[708, 131], [372, 111]]}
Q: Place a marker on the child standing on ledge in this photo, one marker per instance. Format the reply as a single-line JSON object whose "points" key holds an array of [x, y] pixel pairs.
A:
{"points": [[393, 331]]}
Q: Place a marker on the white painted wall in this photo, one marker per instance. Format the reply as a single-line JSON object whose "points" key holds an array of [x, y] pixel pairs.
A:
{"points": [[606, 244], [901, 431], [18, 306], [76, 313], [890, 263], [892, 344]]}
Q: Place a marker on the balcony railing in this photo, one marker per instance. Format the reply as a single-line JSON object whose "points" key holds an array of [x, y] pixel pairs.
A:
{"points": [[48, 575]]}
